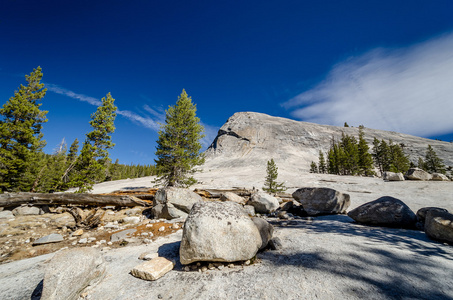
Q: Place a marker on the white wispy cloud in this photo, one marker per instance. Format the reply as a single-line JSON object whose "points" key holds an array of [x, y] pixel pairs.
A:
{"points": [[151, 122], [62, 91], [407, 90]]}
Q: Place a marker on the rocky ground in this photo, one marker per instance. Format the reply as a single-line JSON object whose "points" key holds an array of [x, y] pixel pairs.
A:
{"points": [[328, 257]]}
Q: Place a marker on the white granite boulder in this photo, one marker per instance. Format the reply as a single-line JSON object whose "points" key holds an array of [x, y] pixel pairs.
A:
{"points": [[181, 201], [230, 196], [417, 174], [263, 203], [439, 177], [266, 231], [218, 231], [322, 201], [71, 271], [27, 211], [391, 176], [439, 226]]}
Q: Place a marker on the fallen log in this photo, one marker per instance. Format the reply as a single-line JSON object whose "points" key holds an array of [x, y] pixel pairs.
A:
{"points": [[16, 199]]}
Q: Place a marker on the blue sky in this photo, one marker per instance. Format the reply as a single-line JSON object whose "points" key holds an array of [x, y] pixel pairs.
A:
{"points": [[384, 64]]}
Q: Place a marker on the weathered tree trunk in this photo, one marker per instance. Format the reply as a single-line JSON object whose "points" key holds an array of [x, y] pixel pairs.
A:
{"points": [[10, 200]]}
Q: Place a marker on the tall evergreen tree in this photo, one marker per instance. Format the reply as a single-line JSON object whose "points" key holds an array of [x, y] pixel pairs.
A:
{"points": [[94, 158], [178, 146], [322, 168], [399, 162], [349, 158], [314, 167], [365, 158], [20, 135], [270, 184], [433, 163]]}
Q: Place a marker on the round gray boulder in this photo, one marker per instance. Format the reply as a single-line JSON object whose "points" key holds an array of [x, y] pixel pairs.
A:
{"points": [[385, 211], [218, 231], [322, 201], [439, 226], [421, 213], [417, 174], [391, 176], [173, 202], [266, 231], [263, 203]]}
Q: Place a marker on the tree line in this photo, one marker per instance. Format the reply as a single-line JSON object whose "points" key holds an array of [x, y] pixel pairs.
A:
{"points": [[349, 156], [25, 167]]}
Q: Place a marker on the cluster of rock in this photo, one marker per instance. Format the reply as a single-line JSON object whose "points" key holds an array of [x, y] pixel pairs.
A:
{"points": [[415, 174], [391, 212], [223, 233]]}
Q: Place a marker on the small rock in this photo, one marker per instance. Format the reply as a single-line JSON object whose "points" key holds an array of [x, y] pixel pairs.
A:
{"points": [[118, 236], [162, 228], [51, 238], [247, 262], [153, 269], [6, 214], [27, 211], [204, 269], [148, 255], [83, 241], [131, 220]]}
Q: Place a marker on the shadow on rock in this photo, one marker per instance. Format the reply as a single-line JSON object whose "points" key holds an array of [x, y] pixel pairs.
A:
{"points": [[171, 252], [394, 263], [36, 295]]}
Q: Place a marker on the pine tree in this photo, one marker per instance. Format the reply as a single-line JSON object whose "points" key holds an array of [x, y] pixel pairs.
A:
{"points": [[433, 163], [381, 155], [270, 184], [399, 162], [94, 158], [365, 158], [349, 158], [20, 135], [322, 168], [178, 146], [421, 164], [314, 167]]}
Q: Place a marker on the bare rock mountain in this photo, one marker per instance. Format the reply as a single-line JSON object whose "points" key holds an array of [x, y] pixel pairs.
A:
{"points": [[249, 140]]}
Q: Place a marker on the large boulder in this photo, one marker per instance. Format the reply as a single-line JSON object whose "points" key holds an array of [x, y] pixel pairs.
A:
{"points": [[421, 213], [391, 176], [439, 226], [266, 231], [218, 231], [439, 177], [181, 201], [71, 271], [385, 211], [321, 201], [417, 174], [263, 203]]}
